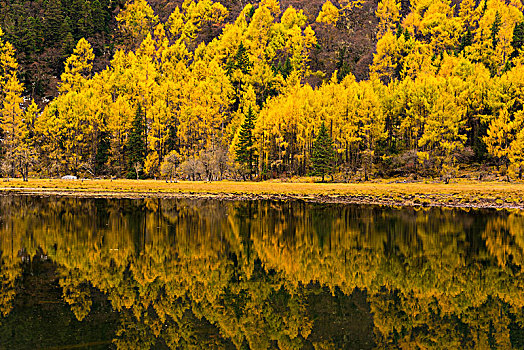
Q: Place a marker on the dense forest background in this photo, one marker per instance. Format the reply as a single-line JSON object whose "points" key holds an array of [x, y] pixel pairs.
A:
{"points": [[208, 90]]}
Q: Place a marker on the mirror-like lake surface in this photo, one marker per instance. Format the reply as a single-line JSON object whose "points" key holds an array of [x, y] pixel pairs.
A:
{"points": [[194, 274]]}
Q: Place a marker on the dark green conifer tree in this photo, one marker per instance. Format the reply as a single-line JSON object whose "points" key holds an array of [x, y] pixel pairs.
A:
{"points": [[399, 31], [102, 152], [245, 152], [495, 28], [406, 34], [518, 38], [342, 66], [286, 68], [172, 142], [54, 22], [136, 146], [240, 61], [322, 153], [68, 41], [466, 40], [34, 36], [97, 17]]}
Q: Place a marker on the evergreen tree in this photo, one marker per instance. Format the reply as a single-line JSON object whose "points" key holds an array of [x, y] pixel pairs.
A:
{"points": [[286, 68], [97, 17], [54, 22], [136, 146], [399, 31], [322, 153], [407, 35], [495, 29], [240, 61], [102, 152], [283, 69], [68, 45], [245, 152], [518, 38], [342, 66], [466, 40], [172, 142]]}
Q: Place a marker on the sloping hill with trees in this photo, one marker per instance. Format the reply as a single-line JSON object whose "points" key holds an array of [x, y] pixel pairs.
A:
{"points": [[44, 34]]}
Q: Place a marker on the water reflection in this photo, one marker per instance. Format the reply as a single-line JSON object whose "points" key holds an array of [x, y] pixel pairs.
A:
{"points": [[258, 275]]}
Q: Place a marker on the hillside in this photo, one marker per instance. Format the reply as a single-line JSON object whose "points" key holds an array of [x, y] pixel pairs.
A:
{"points": [[44, 34], [349, 45]]}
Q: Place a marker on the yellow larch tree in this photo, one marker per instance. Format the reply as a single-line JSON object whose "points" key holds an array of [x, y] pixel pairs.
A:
{"points": [[444, 134], [26, 153], [184, 24], [78, 67], [329, 14], [388, 14], [135, 22], [492, 39], [71, 124], [387, 61], [11, 121], [11, 114]]}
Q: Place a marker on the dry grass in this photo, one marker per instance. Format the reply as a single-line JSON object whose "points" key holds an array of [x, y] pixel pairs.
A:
{"points": [[466, 193]]}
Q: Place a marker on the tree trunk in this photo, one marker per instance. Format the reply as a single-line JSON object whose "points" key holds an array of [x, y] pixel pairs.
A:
{"points": [[25, 172]]}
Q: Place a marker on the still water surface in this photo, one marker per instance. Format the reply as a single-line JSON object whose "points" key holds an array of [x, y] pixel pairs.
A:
{"points": [[194, 274]]}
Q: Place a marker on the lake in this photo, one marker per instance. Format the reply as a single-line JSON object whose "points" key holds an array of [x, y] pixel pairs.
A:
{"points": [[192, 274]]}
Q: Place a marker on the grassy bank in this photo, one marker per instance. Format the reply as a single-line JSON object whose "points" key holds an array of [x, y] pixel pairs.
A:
{"points": [[460, 194]]}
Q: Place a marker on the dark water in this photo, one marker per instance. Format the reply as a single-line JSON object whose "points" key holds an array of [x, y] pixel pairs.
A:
{"points": [[159, 274]]}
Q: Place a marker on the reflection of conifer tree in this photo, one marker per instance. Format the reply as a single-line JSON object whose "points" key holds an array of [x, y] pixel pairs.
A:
{"points": [[102, 153]]}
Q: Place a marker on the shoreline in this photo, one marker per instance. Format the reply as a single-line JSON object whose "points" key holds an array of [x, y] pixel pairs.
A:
{"points": [[466, 195]]}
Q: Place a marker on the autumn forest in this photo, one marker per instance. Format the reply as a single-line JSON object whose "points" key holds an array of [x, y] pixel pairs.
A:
{"points": [[111, 89]]}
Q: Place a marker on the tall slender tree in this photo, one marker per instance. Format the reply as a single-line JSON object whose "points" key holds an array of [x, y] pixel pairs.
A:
{"points": [[245, 151], [136, 145], [322, 153]]}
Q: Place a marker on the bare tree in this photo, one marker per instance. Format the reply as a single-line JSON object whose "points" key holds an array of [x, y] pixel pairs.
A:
{"points": [[138, 169], [169, 165], [215, 162], [206, 158], [221, 161], [192, 168], [7, 167]]}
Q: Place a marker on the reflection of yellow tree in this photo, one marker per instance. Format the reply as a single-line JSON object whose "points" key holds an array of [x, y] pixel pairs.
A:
{"points": [[76, 293], [504, 238], [417, 266], [222, 274], [10, 271]]}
